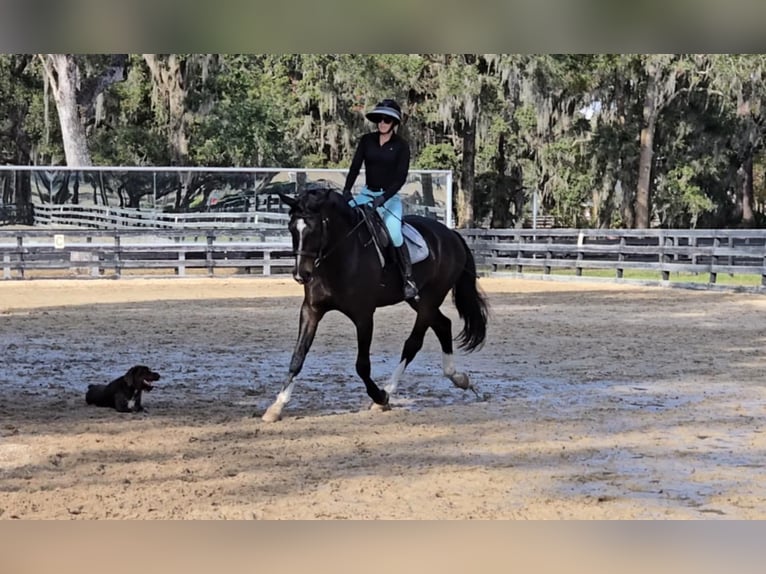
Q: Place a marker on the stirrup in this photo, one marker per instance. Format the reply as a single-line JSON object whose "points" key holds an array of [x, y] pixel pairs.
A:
{"points": [[410, 290]]}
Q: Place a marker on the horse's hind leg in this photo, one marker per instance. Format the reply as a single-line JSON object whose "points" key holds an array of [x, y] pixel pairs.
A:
{"points": [[309, 320], [442, 327]]}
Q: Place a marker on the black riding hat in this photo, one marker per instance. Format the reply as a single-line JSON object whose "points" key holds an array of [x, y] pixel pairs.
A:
{"points": [[385, 107]]}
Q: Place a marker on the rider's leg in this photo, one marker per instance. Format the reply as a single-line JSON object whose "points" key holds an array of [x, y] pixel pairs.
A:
{"points": [[405, 264], [391, 212]]}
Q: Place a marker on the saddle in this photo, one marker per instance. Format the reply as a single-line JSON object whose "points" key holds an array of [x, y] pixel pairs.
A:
{"points": [[416, 244]]}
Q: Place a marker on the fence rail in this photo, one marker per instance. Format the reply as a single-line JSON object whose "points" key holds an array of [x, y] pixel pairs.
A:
{"points": [[98, 253], [105, 217], [267, 250], [701, 251]]}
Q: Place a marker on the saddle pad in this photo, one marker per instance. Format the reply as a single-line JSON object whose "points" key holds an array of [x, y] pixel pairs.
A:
{"points": [[415, 243]]}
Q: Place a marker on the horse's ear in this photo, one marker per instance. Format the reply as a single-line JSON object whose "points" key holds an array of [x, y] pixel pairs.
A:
{"points": [[290, 201]]}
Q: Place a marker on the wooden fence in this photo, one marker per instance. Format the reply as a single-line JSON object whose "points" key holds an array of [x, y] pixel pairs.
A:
{"points": [[267, 250], [701, 251], [79, 253]]}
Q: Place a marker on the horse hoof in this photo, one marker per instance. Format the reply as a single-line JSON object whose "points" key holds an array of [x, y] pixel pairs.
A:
{"points": [[461, 381], [380, 408], [271, 415]]}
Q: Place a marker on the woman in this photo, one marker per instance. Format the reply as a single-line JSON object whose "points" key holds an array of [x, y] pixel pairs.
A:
{"points": [[386, 159]]}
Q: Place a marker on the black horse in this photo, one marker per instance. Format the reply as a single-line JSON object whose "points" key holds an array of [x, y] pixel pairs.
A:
{"points": [[340, 269]]}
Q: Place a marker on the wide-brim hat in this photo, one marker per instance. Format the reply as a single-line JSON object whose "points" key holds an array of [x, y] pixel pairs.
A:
{"points": [[383, 111]]}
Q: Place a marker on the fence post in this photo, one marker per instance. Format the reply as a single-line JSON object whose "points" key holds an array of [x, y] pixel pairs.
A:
{"points": [[621, 257], [181, 268], [763, 271], [20, 245], [266, 262], [209, 254], [548, 256], [663, 257], [117, 261], [94, 256], [714, 258]]}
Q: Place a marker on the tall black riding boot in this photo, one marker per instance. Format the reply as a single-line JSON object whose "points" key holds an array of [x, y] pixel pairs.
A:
{"points": [[410, 289]]}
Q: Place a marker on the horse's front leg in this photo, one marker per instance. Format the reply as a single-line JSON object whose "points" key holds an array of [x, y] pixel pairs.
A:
{"points": [[309, 320], [363, 341]]}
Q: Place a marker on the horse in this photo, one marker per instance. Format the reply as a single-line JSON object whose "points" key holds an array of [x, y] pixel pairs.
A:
{"points": [[340, 268]]}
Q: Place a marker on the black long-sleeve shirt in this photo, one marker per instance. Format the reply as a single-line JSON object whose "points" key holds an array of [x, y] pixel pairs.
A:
{"points": [[385, 166]]}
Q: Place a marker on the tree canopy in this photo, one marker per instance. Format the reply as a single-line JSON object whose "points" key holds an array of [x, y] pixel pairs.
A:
{"points": [[608, 140]]}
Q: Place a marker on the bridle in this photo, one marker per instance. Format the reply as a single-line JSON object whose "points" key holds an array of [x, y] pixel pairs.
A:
{"points": [[323, 254]]}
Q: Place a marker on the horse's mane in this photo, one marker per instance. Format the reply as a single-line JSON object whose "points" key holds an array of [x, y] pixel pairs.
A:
{"points": [[315, 200]]}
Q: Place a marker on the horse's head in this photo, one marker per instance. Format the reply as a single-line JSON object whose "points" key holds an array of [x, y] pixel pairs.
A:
{"points": [[311, 213]]}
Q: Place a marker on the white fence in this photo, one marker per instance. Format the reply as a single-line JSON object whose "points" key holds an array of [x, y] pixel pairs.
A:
{"points": [[103, 217], [107, 197]]}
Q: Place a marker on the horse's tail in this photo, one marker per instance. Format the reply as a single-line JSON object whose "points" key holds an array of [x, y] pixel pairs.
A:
{"points": [[471, 304]]}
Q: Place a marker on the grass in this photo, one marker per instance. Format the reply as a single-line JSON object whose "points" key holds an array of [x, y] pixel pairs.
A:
{"points": [[641, 275]]}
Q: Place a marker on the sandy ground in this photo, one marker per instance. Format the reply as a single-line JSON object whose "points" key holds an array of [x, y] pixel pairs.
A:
{"points": [[597, 401]]}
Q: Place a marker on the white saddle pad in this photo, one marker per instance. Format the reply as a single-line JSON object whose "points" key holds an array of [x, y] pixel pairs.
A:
{"points": [[415, 243]]}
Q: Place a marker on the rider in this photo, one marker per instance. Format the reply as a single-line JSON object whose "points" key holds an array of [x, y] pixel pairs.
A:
{"points": [[386, 158]]}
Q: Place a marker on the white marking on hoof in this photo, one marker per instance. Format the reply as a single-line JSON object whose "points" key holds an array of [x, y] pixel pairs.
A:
{"points": [[380, 408], [393, 382], [448, 365], [272, 414]]}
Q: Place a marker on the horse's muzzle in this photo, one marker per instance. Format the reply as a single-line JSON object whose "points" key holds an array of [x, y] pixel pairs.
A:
{"points": [[302, 276]]}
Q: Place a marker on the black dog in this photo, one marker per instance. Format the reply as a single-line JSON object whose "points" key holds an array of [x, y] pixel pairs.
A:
{"points": [[121, 390]]}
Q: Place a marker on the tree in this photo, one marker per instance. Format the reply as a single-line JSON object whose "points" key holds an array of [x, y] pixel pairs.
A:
{"points": [[738, 79], [662, 76], [75, 95]]}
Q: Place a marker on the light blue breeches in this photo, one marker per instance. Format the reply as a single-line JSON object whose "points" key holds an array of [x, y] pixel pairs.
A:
{"points": [[390, 212]]}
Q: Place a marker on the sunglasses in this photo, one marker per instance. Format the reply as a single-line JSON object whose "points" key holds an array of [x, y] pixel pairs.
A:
{"points": [[384, 119]]}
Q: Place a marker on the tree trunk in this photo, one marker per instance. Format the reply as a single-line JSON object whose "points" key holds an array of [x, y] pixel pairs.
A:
{"points": [[603, 198], [169, 80], [427, 182], [465, 191], [62, 73], [746, 170], [502, 193], [643, 190], [501, 204]]}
